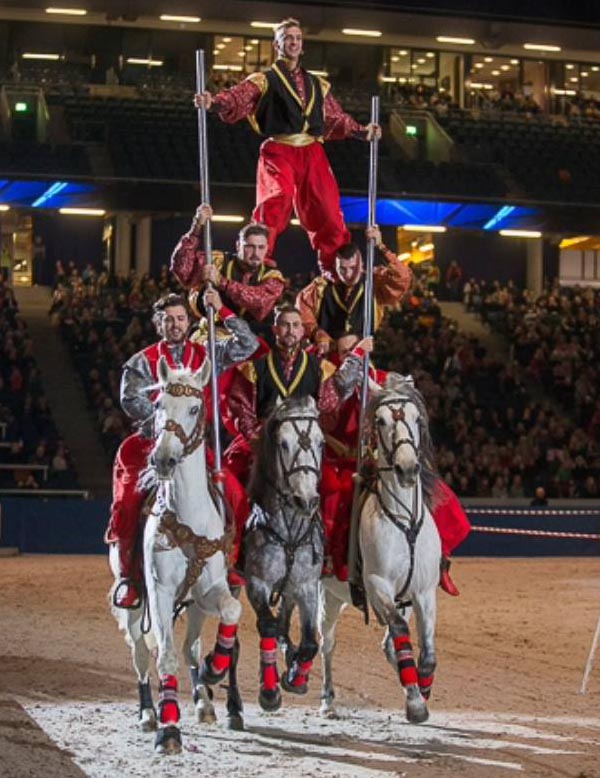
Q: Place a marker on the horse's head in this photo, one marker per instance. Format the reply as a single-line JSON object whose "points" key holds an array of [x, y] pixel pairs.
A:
{"points": [[178, 417], [295, 437], [398, 419]]}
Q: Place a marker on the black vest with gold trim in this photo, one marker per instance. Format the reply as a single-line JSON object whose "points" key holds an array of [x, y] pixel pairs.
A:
{"points": [[271, 384], [339, 314], [280, 110]]}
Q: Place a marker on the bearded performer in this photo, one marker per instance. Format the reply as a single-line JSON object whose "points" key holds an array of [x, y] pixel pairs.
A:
{"points": [[172, 321], [336, 305], [247, 280], [296, 112], [287, 370], [337, 486]]}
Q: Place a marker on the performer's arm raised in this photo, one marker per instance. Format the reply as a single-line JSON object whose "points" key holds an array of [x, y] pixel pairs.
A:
{"points": [[188, 259], [392, 281]]}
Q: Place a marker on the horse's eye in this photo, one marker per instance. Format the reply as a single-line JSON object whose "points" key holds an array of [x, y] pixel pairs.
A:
{"points": [[194, 410], [285, 445], [380, 421]]}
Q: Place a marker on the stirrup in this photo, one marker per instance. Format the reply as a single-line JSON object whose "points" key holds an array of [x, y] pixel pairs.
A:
{"points": [[446, 583], [127, 603]]}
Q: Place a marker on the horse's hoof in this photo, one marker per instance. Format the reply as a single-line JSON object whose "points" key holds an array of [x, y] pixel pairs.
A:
{"points": [[300, 689], [168, 740], [206, 714], [416, 712], [235, 723], [147, 720], [328, 710], [270, 699]]}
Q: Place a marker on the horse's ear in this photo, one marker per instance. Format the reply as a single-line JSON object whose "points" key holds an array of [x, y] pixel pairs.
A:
{"points": [[278, 401], [397, 382], [374, 388], [203, 373], [163, 370]]}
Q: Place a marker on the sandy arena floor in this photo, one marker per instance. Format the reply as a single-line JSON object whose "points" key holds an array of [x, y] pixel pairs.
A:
{"points": [[511, 649]]}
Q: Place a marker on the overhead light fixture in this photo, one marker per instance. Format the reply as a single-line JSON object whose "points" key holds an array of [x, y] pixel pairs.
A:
{"points": [[254, 41], [430, 54], [4, 207], [541, 47], [495, 72], [220, 45], [521, 233], [82, 211], [488, 59], [569, 92], [264, 25], [426, 247], [226, 40], [248, 47], [183, 19], [228, 218], [241, 53], [505, 67], [295, 222], [151, 63], [479, 65], [514, 62], [403, 53], [395, 59], [569, 66], [478, 85], [424, 228], [457, 41], [35, 55], [595, 68], [584, 74], [216, 51], [421, 61], [388, 79], [404, 256], [227, 67], [574, 79], [67, 11], [363, 33]]}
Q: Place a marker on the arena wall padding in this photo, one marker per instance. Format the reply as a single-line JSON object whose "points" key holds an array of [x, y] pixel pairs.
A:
{"points": [[68, 526]]}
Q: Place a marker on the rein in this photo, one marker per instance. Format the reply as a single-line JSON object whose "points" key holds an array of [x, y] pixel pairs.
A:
{"points": [[189, 442], [416, 515], [291, 544]]}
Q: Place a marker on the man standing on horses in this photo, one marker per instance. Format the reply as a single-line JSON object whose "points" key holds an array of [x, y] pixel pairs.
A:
{"points": [[337, 485], [172, 321], [337, 304], [295, 111], [287, 370], [248, 280]]}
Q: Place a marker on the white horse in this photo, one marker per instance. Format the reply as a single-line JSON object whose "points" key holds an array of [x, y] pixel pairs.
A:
{"points": [[399, 544], [184, 555]]}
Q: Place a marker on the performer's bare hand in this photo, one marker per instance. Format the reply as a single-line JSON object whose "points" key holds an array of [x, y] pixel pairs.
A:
{"points": [[373, 131], [211, 273], [323, 346], [366, 344], [374, 233], [212, 297], [203, 213], [203, 100]]}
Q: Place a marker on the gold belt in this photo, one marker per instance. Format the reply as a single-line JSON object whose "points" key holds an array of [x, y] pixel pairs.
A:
{"points": [[297, 139]]}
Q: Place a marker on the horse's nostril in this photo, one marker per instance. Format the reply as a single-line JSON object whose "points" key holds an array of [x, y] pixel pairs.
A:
{"points": [[172, 462], [314, 503]]}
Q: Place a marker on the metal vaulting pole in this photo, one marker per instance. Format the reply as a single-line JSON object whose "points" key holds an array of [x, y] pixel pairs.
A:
{"points": [[210, 313], [353, 571]]}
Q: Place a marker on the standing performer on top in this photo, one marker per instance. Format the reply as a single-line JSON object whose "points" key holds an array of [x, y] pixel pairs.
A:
{"points": [[296, 111]]}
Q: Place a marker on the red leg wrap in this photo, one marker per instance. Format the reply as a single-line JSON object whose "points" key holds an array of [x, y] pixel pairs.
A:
{"points": [[221, 657], [268, 663], [425, 682], [167, 700], [302, 673], [406, 663]]}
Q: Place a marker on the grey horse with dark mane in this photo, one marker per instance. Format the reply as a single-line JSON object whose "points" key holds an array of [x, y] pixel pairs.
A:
{"points": [[284, 543]]}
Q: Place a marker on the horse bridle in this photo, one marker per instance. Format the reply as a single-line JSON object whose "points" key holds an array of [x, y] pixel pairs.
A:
{"points": [[304, 444], [398, 415], [189, 442]]}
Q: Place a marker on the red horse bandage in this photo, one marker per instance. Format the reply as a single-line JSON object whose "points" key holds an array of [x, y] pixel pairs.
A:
{"points": [[221, 657], [406, 663], [268, 663], [168, 705]]}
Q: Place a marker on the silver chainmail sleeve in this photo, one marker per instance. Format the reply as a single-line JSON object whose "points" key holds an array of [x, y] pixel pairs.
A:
{"points": [[135, 399], [348, 376], [239, 347]]}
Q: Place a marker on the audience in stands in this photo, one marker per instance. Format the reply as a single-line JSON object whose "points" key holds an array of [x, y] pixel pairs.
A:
{"points": [[28, 435]]}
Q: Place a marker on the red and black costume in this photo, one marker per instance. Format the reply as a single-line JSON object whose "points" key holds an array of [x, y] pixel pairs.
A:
{"points": [[296, 111], [330, 306], [139, 375]]}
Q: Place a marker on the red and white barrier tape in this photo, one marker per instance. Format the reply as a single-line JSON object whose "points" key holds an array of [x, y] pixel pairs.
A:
{"points": [[537, 533]]}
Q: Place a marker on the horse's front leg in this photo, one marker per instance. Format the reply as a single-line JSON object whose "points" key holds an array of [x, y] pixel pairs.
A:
{"points": [[330, 608], [216, 664], [192, 650], [284, 618], [259, 593], [295, 679], [381, 595], [161, 598], [425, 610]]}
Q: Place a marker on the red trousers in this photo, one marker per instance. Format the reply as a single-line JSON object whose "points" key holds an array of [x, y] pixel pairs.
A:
{"points": [[131, 459], [300, 176]]}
